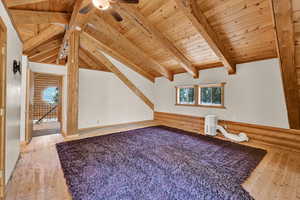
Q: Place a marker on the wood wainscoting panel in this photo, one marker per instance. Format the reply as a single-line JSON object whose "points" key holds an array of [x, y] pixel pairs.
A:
{"points": [[286, 138]]}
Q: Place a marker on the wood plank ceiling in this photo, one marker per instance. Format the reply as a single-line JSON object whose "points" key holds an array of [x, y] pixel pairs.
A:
{"points": [[165, 37], [296, 21], [168, 42]]}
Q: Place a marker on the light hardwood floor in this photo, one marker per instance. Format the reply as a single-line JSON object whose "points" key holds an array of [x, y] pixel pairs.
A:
{"points": [[38, 175]]}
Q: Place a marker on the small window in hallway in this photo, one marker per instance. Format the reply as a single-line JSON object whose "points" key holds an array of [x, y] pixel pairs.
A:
{"points": [[51, 95]]}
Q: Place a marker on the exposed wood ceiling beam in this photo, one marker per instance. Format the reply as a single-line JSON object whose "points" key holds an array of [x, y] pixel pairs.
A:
{"points": [[140, 21], [284, 27], [50, 60], [43, 36], [200, 67], [199, 21], [73, 84], [39, 17], [77, 22], [131, 49], [12, 3], [90, 35], [46, 56], [47, 45], [82, 63], [42, 54], [99, 55], [91, 61], [49, 55]]}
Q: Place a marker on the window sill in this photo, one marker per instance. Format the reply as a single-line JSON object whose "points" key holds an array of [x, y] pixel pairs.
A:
{"points": [[203, 106]]}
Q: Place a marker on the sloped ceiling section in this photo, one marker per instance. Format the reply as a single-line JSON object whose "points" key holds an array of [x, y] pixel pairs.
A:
{"points": [[156, 38]]}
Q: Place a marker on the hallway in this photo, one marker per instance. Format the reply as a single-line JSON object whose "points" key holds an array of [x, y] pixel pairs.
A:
{"points": [[46, 128]]}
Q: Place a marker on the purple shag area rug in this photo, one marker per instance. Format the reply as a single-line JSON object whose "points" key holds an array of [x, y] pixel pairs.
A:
{"points": [[157, 163]]}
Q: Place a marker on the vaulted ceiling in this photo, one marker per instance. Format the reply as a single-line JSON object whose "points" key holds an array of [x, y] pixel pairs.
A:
{"points": [[156, 38], [165, 37]]}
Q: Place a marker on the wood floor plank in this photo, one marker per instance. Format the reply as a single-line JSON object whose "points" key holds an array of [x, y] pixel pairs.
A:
{"points": [[297, 194], [264, 179], [250, 183], [38, 175], [277, 178], [288, 185]]}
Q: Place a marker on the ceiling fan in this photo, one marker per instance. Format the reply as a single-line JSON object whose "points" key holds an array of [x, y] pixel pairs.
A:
{"points": [[106, 5]]}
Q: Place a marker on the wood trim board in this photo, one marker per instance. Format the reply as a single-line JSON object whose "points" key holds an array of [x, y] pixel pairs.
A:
{"points": [[3, 58], [110, 129], [284, 138], [109, 126], [29, 105]]}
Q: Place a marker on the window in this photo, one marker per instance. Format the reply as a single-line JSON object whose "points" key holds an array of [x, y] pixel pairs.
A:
{"points": [[50, 95], [186, 95], [209, 95]]}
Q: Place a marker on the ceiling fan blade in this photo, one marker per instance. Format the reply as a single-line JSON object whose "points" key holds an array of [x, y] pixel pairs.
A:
{"points": [[128, 1], [116, 15], [86, 9]]}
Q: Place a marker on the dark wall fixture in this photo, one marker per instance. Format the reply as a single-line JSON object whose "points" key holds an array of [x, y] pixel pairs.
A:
{"points": [[17, 67]]}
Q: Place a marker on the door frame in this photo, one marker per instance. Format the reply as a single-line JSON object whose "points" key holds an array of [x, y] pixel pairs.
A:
{"points": [[3, 70], [61, 95], [28, 111], [61, 99]]}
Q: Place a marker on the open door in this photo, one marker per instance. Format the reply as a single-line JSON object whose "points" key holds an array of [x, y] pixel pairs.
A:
{"points": [[29, 105], [3, 41]]}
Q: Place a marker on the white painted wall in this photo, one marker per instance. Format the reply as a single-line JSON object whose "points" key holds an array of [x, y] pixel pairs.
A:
{"points": [[105, 100], [254, 95], [14, 51]]}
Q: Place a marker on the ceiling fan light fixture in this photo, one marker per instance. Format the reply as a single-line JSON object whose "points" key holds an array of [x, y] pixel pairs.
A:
{"points": [[101, 4]]}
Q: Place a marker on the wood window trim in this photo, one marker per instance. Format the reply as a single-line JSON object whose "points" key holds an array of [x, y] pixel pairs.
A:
{"points": [[221, 85], [198, 97], [203, 106], [186, 86]]}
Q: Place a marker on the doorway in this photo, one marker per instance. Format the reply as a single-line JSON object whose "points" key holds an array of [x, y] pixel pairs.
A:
{"points": [[47, 104], [3, 42]]}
